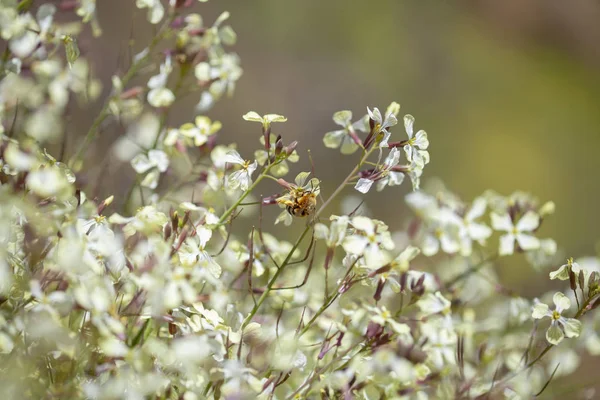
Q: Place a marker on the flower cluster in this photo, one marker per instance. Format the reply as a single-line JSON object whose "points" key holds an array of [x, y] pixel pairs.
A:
{"points": [[166, 290]]}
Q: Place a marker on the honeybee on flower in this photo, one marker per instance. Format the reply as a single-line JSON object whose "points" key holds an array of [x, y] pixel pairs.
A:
{"points": [[300, 200]]}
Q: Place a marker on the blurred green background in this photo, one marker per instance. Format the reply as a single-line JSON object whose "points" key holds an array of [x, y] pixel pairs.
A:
{"points": [[508, 91]]}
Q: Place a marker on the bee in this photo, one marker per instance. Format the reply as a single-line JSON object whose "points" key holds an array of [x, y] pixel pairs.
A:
{"points": [[302, 204], [301, 199]]}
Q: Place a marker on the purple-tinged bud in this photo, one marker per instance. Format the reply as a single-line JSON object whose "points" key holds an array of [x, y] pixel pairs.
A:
{"points": [[267, 136], [289, 149], [278, 145], [380, 286]]}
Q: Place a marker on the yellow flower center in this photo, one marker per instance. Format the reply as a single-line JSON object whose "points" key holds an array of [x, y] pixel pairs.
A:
{"points": [[555, 315]]}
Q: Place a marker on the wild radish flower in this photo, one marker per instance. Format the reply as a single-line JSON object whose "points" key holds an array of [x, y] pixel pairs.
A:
{"points": [[346, 139], [242, 178], [559, 325], [371, 237], [364, 184], [381, 125], [562, 273], [265, 120], [416, 147], [519, 232], [402, 262], [156, 161], [444, 230], [382, 316], [195, 134]]}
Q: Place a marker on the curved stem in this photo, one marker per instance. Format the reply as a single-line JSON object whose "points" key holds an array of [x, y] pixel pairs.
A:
{"points": [[271, 283]]}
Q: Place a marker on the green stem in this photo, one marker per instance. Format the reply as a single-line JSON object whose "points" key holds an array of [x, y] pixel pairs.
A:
{"points": [[271, 283]]}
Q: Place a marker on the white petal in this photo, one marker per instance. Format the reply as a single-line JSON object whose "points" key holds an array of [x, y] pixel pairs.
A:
{"points": [[528, 242], [502, 222], [477, 209], [343, 118], [151, 179], [233, 157], [409, 121], [554, 335], [333, 139], [321, 231], [421, 140], [392, 159], [363, 185], [364, 224], [348, 145], [449, 244], [301, 178], [252, 116], [141, 163], [204, 235], [274, 118], [355, 244], [561, 273], [479, 232], [540, 310], [159, 158], [507, 244], [373, 256], [561, 301], [571, 326], [430, 245], [528, 222]]}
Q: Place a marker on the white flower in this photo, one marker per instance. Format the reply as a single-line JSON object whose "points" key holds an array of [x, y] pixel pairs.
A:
{"points": [[156, 161], [266, 120], [519, 232], [346, 138], [402, 262], [383, 317], [196, 134], [193, 252], [562, 272], [560, 326], [382, 124], [368, 241], [417, 144], [241, 178]]}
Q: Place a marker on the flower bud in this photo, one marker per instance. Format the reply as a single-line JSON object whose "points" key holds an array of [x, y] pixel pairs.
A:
{"points": [[289, 149]]}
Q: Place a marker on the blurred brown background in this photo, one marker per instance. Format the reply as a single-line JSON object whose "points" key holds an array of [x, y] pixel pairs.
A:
{"points": [[508, 91]]}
